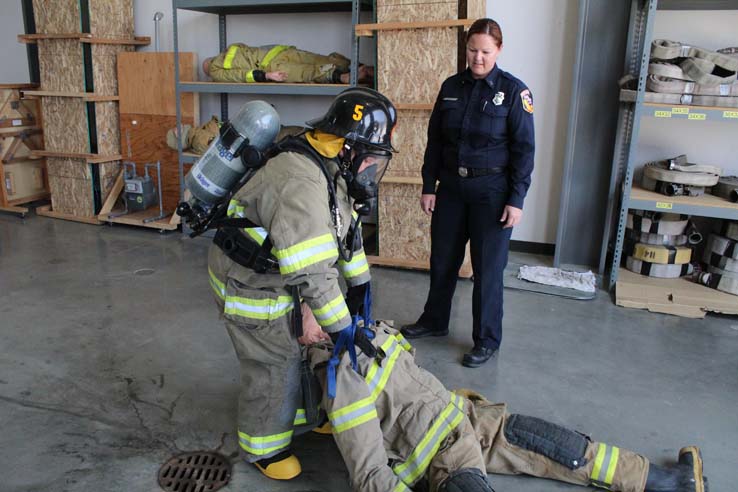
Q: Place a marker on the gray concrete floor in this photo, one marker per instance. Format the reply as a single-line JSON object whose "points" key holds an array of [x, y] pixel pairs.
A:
{"points": [[112, 359]]}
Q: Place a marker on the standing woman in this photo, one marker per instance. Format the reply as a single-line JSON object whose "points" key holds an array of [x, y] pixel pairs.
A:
{"points": [[480, 149]]}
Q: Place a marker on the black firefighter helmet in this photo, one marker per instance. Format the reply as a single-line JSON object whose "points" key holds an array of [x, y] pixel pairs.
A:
{"points": [[361, 115]]}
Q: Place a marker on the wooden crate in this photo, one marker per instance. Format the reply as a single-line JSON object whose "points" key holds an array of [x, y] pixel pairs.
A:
{"points": [[107, 18], [72, 184], [67, 125]]}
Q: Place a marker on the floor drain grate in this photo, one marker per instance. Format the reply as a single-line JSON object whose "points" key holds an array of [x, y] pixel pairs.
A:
{"points": [[200, 471]]}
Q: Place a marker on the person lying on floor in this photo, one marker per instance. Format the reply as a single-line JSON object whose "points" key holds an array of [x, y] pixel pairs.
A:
{"points": [[398, 428], [281, 63]]}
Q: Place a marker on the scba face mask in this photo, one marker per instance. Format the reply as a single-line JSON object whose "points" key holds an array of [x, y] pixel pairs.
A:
{"points": [[367, 170]]}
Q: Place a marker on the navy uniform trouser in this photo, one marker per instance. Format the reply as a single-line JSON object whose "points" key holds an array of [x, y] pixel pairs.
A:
{"points": [[469, 209]]}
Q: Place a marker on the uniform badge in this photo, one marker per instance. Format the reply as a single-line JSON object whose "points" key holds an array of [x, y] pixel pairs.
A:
{"points": [[527, 101], [499, 97]]}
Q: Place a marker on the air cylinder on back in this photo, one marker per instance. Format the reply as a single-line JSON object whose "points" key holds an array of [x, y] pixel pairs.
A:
{"points": [[256, 124]]}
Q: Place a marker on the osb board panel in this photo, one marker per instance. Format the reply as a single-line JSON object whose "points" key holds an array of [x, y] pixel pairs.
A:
{"points": [[111, 18], [147, 83], [415, 10], [148, 144], [57, 16], [404, 230], [108, 135], [104, 70], [15, 111], [108, 18], [70, 181], [71, 196], [409, 139], [60, 65], [412, 64], [65, 167], [65, 124]]}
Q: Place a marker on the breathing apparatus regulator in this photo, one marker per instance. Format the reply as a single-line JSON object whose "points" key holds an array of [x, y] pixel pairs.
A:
{"points": [[229, 162]]}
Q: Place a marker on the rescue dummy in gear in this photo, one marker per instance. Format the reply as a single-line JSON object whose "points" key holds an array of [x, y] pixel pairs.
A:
{"points": [[197, 139], [281, 63], [301, 207], [398, 428]]}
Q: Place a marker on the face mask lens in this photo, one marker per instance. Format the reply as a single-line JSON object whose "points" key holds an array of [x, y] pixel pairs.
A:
{"points": [[373, 165]]}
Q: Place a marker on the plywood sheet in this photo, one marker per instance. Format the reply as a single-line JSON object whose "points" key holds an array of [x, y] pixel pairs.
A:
{"points": [[412, 64], [409, 138], [147, 83], [403, 229], [61, 65], [70, 182], [148, 144]]}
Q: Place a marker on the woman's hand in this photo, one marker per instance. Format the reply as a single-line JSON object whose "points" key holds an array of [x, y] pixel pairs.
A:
{"points": [[276, 76], [428, 203], [311, 330], [511, 216]]}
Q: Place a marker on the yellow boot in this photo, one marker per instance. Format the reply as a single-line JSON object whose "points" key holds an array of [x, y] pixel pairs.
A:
{"points": [[282, 466], [326, 428]]}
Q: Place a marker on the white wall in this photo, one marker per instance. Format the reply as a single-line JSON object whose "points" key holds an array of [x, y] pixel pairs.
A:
{"points": [[13, 58], [539, 48], [706, 142]]}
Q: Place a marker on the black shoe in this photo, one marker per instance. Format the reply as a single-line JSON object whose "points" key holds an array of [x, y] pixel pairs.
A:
{"points": [[686, 476], [478, 356], [416, 330]]}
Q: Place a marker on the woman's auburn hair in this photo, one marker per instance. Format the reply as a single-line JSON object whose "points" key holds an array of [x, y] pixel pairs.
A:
{"points": [[486, 26]]}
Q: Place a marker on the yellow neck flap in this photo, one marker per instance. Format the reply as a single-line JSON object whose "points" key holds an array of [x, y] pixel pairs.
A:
{"points": [[327, 145]]}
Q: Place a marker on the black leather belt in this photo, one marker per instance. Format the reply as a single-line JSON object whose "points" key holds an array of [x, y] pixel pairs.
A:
{"points": [[475, 172]]}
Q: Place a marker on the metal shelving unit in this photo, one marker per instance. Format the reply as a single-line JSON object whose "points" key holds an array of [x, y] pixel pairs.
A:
{"points": [[223, 8], [622, 191]]}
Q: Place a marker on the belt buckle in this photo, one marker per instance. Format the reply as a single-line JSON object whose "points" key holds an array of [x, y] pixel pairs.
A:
{"points": [[463, 172]]}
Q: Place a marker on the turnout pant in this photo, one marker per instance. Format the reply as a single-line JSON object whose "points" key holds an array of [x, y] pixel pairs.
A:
{"points": [[469, 210], [303, 66], [481, 441], [270, 394]]}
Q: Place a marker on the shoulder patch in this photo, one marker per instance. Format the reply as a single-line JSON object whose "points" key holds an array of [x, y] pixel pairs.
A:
{"points": [[527, 99]]}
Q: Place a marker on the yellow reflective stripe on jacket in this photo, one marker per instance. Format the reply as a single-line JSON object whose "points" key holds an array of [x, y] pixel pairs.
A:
{"points": [[250, 77], [332, 312], [605, 463], [235, 209], [377, 376], [217, 285], [403, 342], [300, 417], [272, 54], [400, 487], [258, 234], [420, 458], [350, 416], [261, 445], [355, 267], [306, 253], [228, 60], [258, 309]]}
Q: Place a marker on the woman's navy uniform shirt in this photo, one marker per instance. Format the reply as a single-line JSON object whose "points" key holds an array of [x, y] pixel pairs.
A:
{"points": [[482, 123]]}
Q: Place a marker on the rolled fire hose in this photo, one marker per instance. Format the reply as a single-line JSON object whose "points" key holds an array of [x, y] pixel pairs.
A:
{"points": [[657, 270], [664, 49], [677, 170], [655, 239], [671, 189], [721, 246], [730, 230], [727, 187], [666, 224], [663, 255], [718, 279]]}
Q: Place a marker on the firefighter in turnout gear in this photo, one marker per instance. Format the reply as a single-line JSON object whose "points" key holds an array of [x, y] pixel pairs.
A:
{"points": [[397, 428], [303, 204]]}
